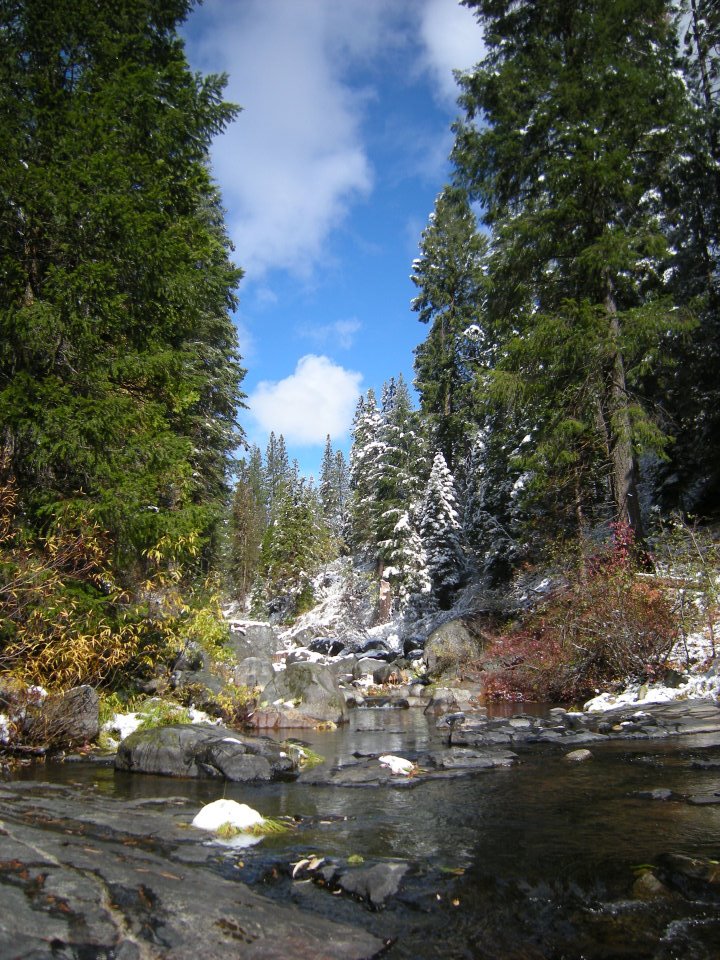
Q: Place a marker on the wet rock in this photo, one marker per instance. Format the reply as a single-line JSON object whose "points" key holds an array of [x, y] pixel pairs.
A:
{"points": [[694, 877], [578, 756], [82, 879], [199, 750], [647, 887], [329, 646], [374, 884], [443, 700], [465, 758], [659, 793]]}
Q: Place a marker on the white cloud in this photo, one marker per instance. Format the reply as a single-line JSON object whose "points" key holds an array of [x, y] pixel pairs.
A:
{"points": [[318, 399], [340, 333], [293, 162], [452, 40]]}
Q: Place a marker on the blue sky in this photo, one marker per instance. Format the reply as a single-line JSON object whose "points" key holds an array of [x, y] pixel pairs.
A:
{"points": [[328, 177]]}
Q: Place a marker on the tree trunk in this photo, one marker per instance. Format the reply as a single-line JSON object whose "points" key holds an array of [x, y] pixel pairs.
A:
{"points": [[624, 466]]}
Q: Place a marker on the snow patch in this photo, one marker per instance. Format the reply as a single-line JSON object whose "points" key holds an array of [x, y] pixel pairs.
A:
{"points": [[216, 814]]}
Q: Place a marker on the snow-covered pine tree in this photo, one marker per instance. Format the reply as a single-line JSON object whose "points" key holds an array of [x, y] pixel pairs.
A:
{"points": [[365, 454], [440, 533], [406, 568], [333, 491]]}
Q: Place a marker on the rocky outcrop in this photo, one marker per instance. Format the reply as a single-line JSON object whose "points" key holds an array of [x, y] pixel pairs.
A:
{"points": [[198, 750], [448, 648], [304, 694], [84, 875], [253, 639]]}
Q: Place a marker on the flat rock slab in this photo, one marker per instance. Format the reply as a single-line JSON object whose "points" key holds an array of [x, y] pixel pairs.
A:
{"points": [[79, 877], [446, 764], [201, 750], [569, 728]]}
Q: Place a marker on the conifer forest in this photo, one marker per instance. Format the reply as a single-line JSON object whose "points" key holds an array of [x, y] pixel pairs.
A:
{"points": [[564, 419]]}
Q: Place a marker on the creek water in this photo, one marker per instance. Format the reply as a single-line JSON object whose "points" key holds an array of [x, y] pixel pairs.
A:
{"points": [[534, 862]]}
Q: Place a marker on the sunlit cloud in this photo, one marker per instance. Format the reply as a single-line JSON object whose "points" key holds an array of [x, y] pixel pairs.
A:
{"points": [[318, 399], [452, 40]]}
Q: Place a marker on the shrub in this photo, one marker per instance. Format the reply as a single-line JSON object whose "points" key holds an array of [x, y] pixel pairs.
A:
{"points": [[606, 625]]}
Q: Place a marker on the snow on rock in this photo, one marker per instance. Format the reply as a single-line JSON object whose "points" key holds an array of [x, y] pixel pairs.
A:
{"points": [[220, 812], [397, 765], [4, 728], [123, 724]]}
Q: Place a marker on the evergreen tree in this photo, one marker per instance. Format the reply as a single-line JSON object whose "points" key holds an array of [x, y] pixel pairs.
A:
{"points": [[295, 544], [278, 474], [407, 567], [440, 533], [119, 372], [247, 523], [334, 483], [580, 104], [451, 279], [364, 457], [691, 478]]}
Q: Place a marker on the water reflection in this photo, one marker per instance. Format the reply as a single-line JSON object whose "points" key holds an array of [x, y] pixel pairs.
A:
{"points": [[531, 862]]}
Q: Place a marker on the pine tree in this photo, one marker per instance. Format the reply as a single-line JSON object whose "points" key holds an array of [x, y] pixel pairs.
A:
{"points": [[440, 534], [407, 567], [580, 104], [295, 544], [334, 483], [248, 522], [450, 276], [278, 474], [365, 455], [119, 372]]}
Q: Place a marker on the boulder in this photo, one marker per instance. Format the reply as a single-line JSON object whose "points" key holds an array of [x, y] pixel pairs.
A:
{"points": [[253, 672], [250, 639], [201, 750], [311, 689], [374, 884], [443, 700], [66, 719], [448, 648]]}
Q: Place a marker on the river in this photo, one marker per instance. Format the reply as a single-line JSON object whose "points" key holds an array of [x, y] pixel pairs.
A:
{"points": [[533, 862]]}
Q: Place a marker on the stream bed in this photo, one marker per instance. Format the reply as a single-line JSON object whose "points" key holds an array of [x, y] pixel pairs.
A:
{"points": [[545, 860]]}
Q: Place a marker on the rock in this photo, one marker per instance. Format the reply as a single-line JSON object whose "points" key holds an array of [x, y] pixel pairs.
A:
{"points": [[65, 719], [82, 876], [250, 639], [329, 646], [387, 673], [648, 887], [253, 672], [578, 756], [199, 750], [659, 793], [694, 877], [460, 758], [309, 688], [448, 647], [443, 700], [374, 884]]}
